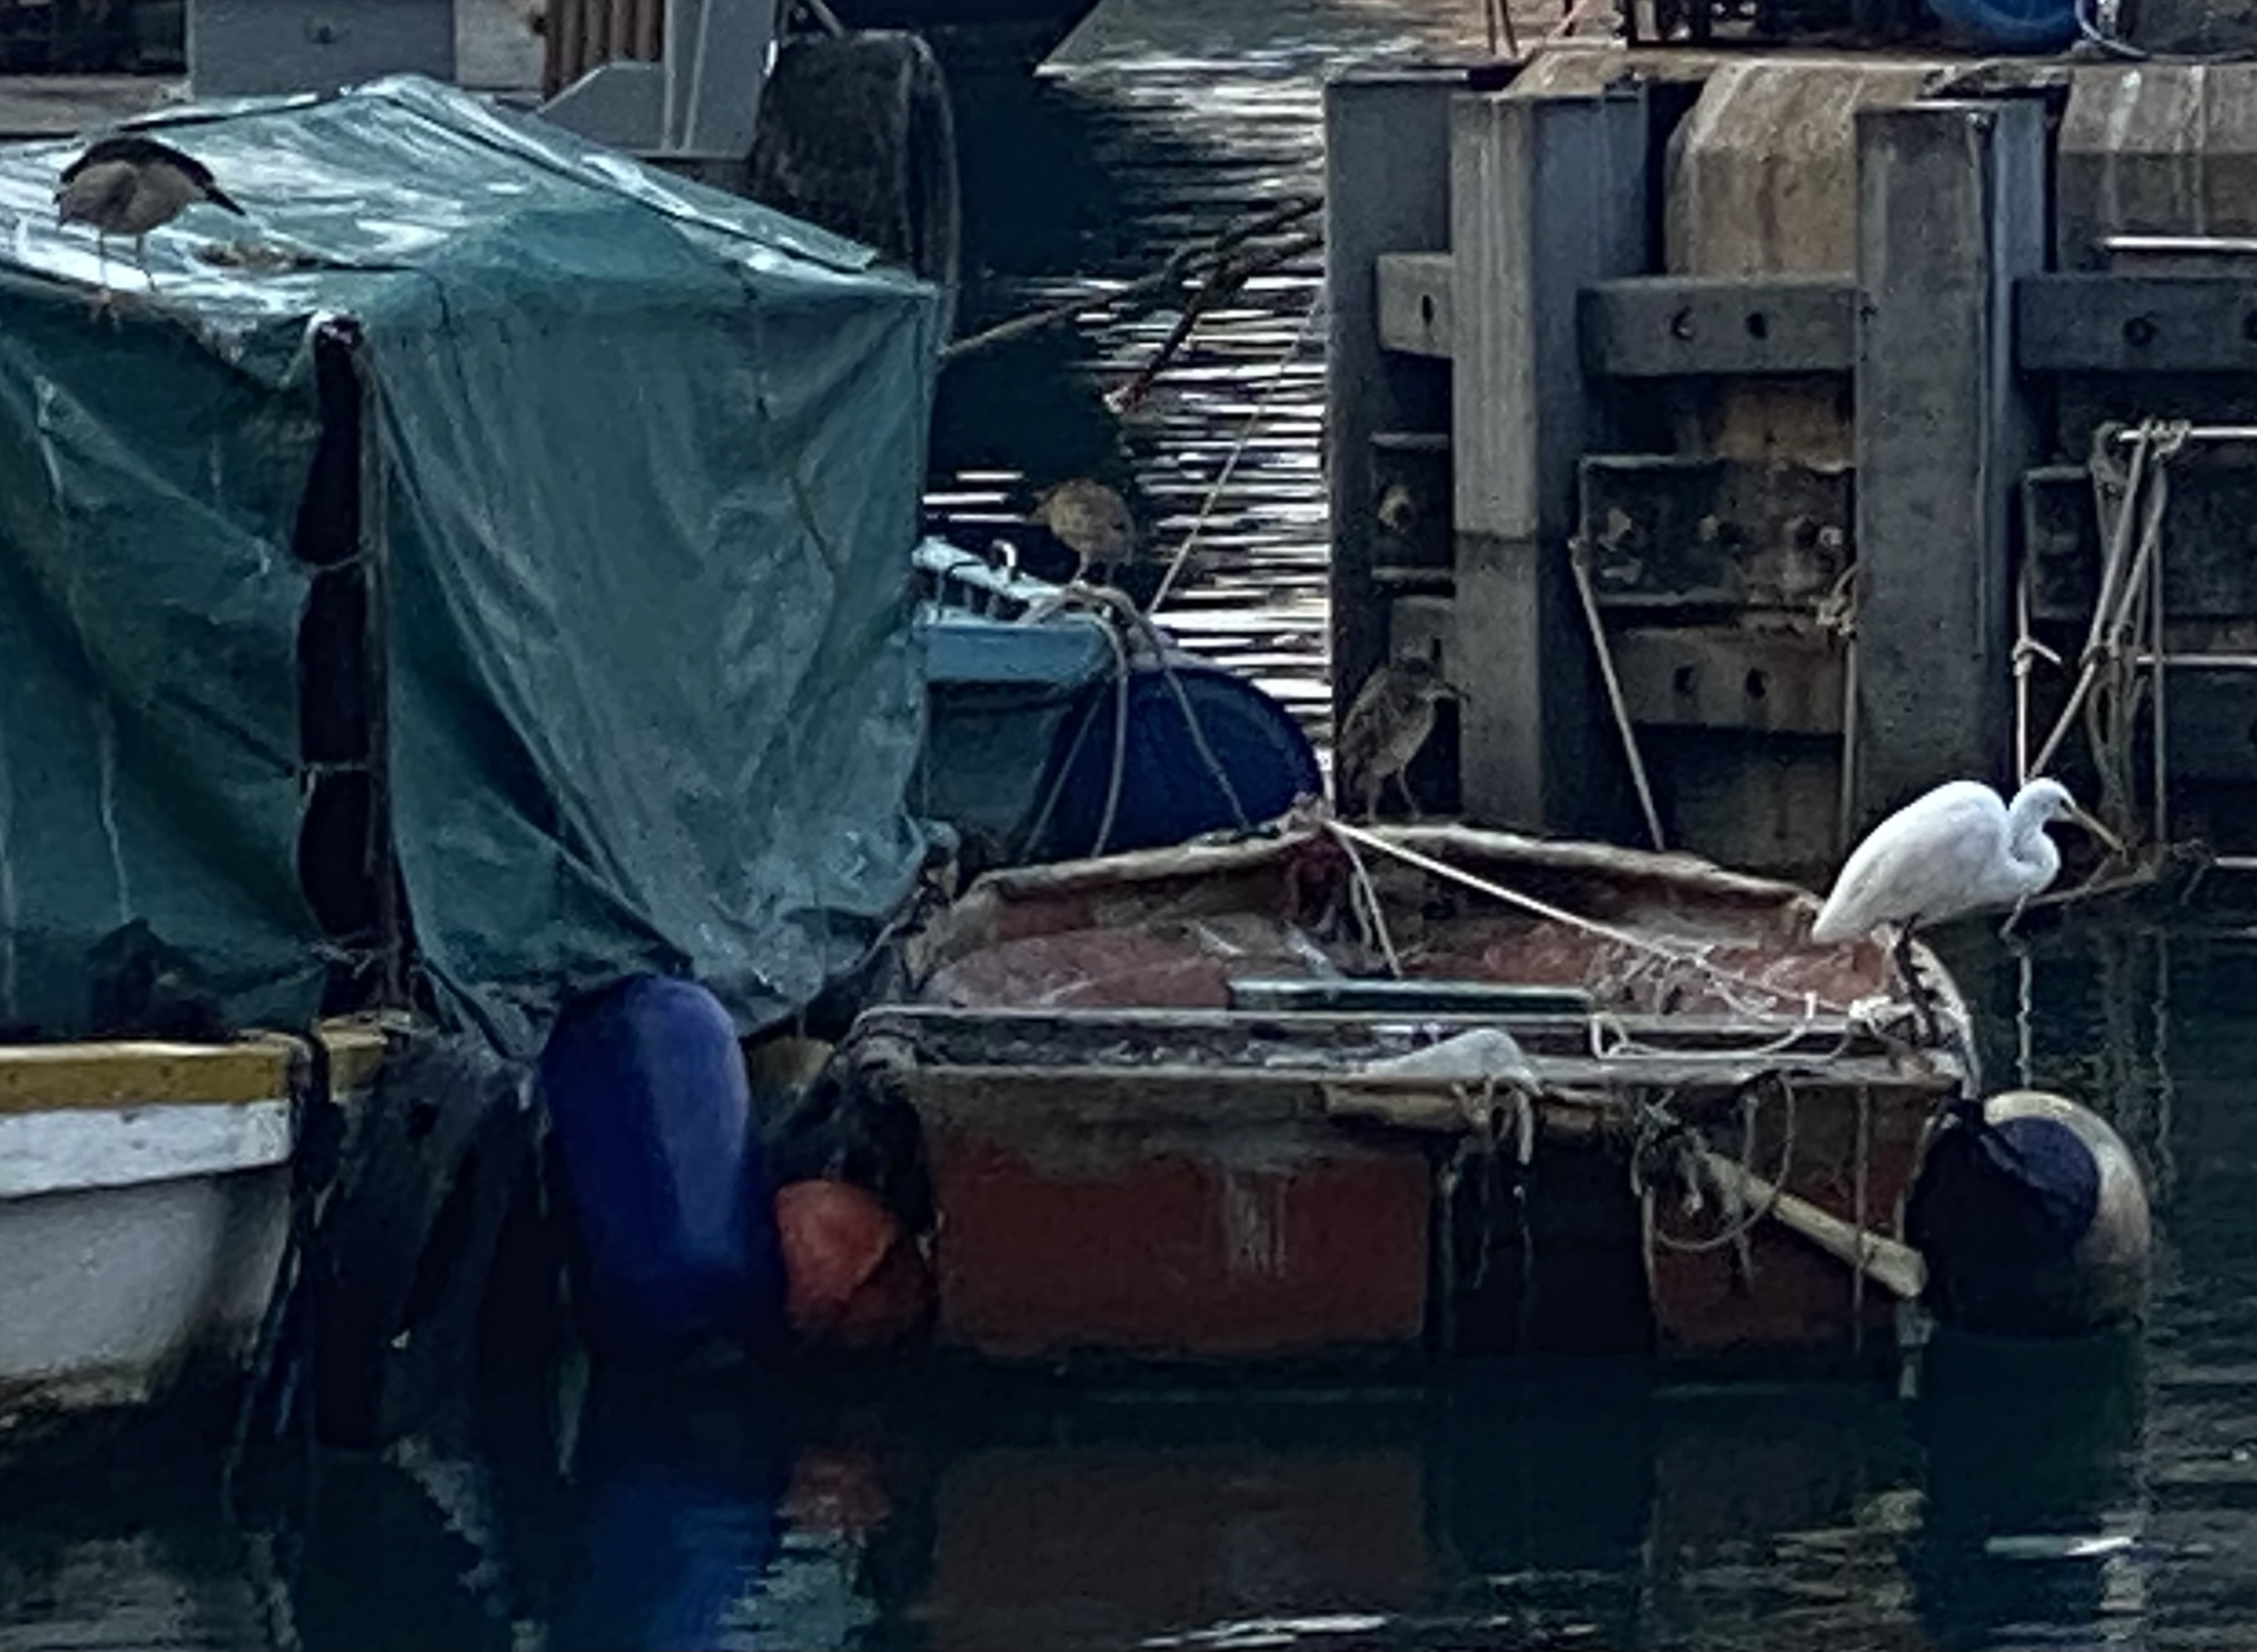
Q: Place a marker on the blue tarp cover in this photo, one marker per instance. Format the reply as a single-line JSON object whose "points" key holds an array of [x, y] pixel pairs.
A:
{"points": [[648, 458]]}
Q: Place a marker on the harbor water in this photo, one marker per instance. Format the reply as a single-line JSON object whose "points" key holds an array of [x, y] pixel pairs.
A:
{"points": [[2100, 1495]]}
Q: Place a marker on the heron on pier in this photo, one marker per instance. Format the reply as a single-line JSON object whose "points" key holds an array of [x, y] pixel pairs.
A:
{"points": [[1091, 521], [1386, 728]]}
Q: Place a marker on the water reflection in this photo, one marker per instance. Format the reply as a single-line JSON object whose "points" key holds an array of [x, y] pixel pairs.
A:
{"points": [[2010, 1505], [1138, 141]]}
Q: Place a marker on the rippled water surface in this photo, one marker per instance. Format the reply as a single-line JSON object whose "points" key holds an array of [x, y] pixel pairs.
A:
{"points": [[1162, 123], [2039, 1498]]}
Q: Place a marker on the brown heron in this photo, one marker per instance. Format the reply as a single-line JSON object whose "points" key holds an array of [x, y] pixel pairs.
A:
{"points": [[129, 184], [1387, 726], [1091, 521]]}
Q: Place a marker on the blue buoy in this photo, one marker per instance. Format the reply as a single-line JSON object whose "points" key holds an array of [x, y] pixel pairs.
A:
{"points": [[1169, 791], [2012, 25], [2032, 1217], [669, 1195]]}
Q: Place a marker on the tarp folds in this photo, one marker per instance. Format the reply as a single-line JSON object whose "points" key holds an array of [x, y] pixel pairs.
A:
{"points": [[646, 460]]}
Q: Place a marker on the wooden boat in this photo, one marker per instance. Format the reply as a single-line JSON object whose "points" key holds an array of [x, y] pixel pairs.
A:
{"points": [[144, 1202], [1246, 1100]]}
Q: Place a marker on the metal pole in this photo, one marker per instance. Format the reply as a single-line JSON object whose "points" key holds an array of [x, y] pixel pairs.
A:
{"points": [[2185, 245], [2201, 433], [2157, 674]]}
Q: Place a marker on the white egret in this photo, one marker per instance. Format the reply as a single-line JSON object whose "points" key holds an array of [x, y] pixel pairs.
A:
{"points": [[1960, 849]]}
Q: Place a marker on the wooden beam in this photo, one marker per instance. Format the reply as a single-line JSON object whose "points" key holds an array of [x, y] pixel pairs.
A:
{"points": [[2135, 323], [1721, 677], [1414, 303]]}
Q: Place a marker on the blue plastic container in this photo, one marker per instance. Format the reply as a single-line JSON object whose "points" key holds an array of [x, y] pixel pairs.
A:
{"points": [[670, 1196], [1169, 791]]}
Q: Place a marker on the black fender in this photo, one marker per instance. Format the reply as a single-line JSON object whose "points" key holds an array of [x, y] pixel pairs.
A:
{"points": [[407, 1242]]}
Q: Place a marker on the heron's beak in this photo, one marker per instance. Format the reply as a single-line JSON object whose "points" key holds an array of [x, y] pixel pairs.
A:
{"points": [[2113, 843]]}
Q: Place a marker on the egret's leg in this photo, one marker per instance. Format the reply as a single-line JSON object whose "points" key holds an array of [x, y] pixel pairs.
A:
{"points": [[141, 260], [1371, 787], [1923, 1002]]}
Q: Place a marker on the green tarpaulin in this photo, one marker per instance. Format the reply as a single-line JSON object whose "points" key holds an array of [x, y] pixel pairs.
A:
{"points": [[641, 477]]}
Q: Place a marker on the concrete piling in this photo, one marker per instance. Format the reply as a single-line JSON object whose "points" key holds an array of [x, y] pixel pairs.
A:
{"points": [[1951, 213], [1547, 194]]}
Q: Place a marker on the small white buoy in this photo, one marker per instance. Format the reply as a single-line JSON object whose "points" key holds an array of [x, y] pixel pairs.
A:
{"points": [[2031, 1215]]}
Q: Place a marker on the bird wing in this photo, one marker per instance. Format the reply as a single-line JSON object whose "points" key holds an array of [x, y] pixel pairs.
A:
{"points": [[95, 193], [1924, 864], [137, 150]]}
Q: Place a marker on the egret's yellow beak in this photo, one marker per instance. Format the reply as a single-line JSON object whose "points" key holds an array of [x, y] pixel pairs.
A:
{"points": [[2115, 845]]}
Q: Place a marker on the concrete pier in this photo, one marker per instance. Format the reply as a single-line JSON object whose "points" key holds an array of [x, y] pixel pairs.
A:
{"points": [[1387, 172], [1792, 351], [1951, 213], [1547, 196]]}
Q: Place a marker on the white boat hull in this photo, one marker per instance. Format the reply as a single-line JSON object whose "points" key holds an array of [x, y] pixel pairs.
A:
{"points": [[144, 1206]]}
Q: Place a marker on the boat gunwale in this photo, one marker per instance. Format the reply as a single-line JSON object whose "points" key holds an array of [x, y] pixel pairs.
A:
{"points": [[1201, 856], [128, 1075]]}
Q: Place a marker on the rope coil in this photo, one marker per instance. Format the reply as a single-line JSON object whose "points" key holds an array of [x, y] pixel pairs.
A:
{"points": [[1668, 1143]]}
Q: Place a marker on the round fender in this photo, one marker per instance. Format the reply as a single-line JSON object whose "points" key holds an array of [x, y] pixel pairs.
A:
{"points": [[2032, 1216]]}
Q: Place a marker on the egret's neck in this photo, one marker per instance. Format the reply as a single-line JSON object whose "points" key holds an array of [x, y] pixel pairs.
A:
{"points": [[2033, 853]]}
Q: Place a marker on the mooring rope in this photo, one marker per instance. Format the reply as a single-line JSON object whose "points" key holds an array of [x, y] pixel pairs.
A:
{"points": [[1808, 1002], [1579, 560], [2124, 567], [1246, 430], [1659, 1124], [1374, 915], [1122, 624], [1836, 615]]}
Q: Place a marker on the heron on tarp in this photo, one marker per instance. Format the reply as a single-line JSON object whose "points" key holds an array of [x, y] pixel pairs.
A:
{"points": [[129, 184], [1958, 849]]}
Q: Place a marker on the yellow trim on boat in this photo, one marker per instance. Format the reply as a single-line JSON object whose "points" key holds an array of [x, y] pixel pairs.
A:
{"points": [[44, 1077]]}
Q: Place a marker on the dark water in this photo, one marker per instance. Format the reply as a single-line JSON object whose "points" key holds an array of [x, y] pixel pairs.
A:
{"points": [[2050, 1497], [2034, 1496]]}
